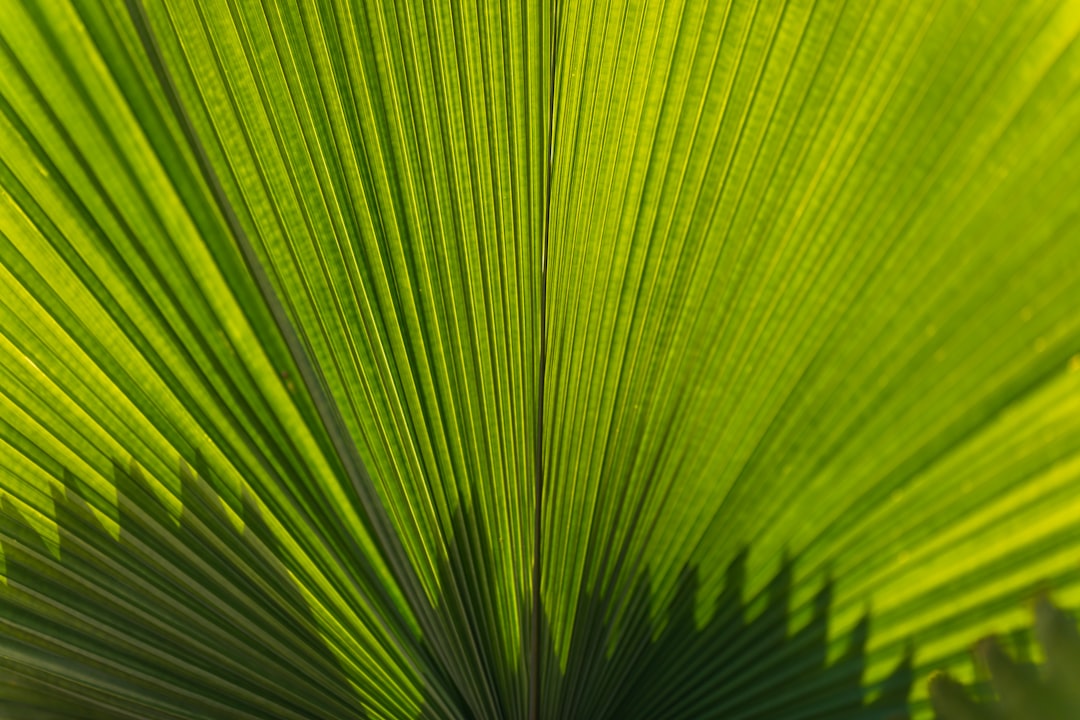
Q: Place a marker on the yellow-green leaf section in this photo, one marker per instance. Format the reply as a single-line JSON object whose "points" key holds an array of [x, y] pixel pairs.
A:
{"points": [[304, 306]]}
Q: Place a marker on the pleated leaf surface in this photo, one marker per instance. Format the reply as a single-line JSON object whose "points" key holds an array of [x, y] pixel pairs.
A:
{"points": [[588, 358]]}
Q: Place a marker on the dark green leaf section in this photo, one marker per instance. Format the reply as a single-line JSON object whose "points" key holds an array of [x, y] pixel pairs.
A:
{"points": [[165, 621], [749, 660], [735, 665]]}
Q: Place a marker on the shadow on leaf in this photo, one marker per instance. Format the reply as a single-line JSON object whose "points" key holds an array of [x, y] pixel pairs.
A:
{"points": [[161, 622], [733, 667], [196, 618]]}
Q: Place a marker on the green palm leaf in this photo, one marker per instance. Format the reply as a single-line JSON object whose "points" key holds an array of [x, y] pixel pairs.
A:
{"points": [[575, 359]]}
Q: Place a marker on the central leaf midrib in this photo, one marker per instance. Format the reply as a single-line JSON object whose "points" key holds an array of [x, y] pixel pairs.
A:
{"points": [[536, 611]]}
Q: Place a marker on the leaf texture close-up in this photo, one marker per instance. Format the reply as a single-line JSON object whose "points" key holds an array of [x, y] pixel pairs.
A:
{"points": [[534, 358]]}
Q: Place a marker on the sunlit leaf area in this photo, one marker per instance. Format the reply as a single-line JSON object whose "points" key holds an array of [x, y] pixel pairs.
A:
{"points": [[536, 359]]}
